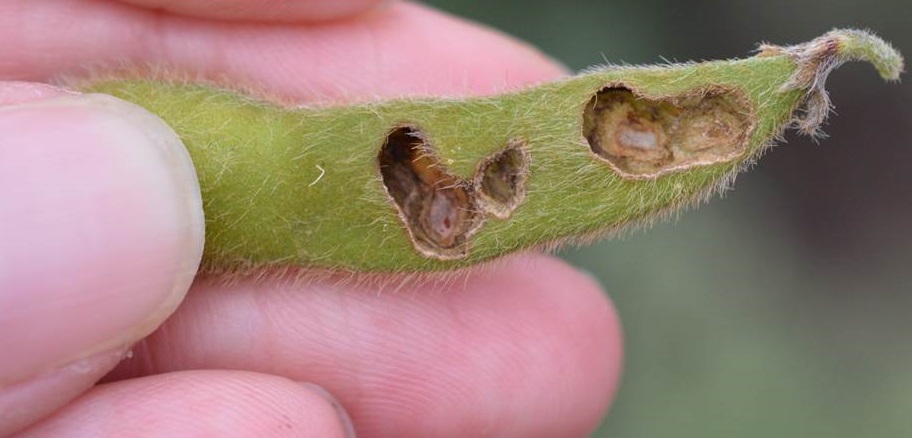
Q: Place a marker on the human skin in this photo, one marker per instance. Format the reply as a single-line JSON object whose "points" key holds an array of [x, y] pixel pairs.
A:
{"points": [[98, 244]]}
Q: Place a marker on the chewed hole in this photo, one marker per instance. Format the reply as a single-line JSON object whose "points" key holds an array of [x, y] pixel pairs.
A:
{"points": [[644, 137], [436, 206], [501, 180]]}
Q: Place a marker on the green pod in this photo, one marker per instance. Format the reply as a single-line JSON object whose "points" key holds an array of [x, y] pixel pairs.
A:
{"points": [[436, 184]]}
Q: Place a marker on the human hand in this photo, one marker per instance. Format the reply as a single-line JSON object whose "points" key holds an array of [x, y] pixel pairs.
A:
{"points": [[101, 231]]}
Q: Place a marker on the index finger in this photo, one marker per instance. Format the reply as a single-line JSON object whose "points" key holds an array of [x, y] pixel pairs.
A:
{"points": [[403, 50]]}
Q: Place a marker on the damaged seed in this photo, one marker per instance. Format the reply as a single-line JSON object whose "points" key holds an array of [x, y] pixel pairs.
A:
{"points": [[501, 180], [440, 211], [437, 208], [643, 137]]}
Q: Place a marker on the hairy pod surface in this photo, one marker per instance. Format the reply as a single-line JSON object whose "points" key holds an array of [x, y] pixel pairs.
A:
{"points": [[436, 184]]}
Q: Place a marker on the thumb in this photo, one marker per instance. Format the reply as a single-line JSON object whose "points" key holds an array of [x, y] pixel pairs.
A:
{"points": [[101, 233]]}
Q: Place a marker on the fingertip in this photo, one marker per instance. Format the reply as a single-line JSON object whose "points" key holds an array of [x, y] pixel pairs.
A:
{"points": [[201, 403], [414, 49], [570, 315], [401, 49], [101, 225], [527, 346]]}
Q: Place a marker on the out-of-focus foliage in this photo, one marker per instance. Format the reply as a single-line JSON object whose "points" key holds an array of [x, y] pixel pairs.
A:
{"points": [[784, 309]]}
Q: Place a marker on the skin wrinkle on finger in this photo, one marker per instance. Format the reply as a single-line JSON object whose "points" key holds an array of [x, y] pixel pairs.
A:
{"points": [[433, 55], [277, 11], [532, 350], [17, 93], [25, 402]]}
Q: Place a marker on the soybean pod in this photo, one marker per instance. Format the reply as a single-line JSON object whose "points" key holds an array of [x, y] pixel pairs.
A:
{"points": [[436, 184]]}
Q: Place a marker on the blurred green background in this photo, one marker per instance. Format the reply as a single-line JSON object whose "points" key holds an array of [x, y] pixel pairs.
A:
{"points": [[783, 309]]}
